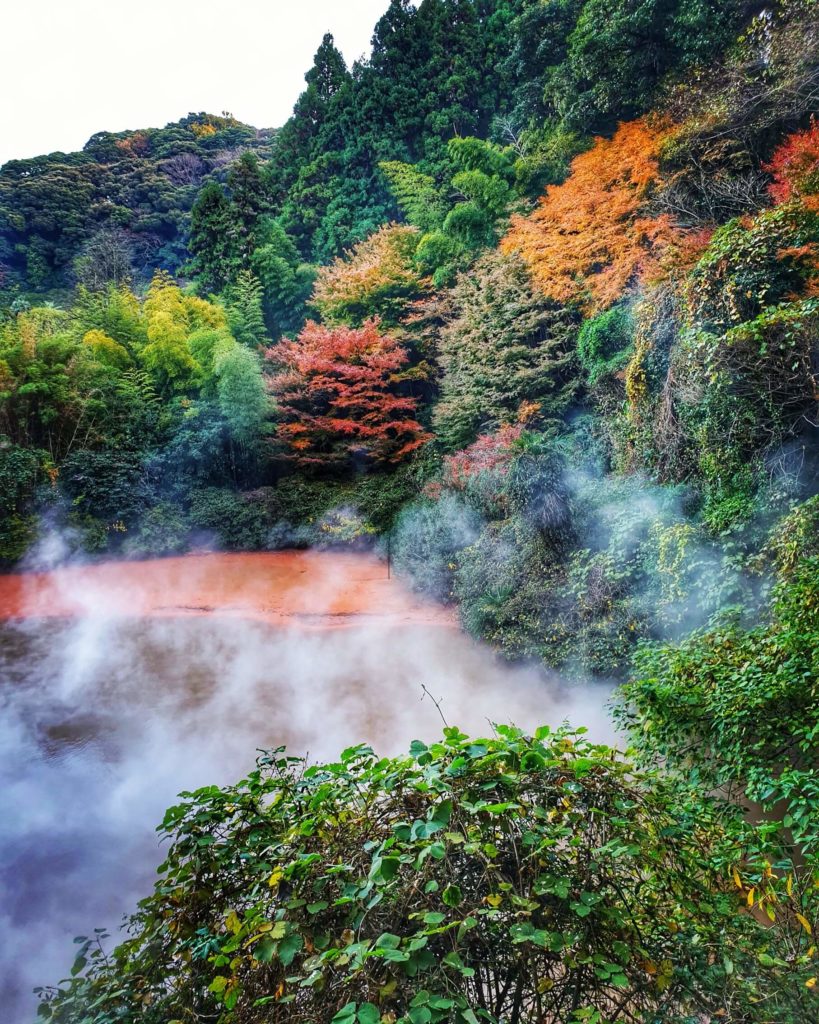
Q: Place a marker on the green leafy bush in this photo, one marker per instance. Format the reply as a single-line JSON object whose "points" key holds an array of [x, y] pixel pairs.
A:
{"points": [[505, 879], [604, 343]]}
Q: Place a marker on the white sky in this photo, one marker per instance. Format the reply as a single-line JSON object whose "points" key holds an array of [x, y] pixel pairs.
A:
{"points": [[70, 68]]}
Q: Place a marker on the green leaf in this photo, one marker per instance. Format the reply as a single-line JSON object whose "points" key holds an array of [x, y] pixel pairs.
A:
{"points": [[368, 1014], [452, 895], [288, 948], [345, 1015]]}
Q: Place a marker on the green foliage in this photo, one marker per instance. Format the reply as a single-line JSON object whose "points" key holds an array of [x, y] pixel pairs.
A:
{"points": [[286, 281], [241, 391], [20, 472], [121, 206], [505, 354], [237, 522], [604, 343], [750, 266], [736, 709], [162, 530], [502, 876]]}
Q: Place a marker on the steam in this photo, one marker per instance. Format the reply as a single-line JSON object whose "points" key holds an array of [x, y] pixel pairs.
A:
{"points": [[107, 716]]}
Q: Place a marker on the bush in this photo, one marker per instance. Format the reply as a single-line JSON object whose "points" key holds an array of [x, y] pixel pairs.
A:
{"points": [[604, 344], [163, 530], [238, 522], [505, 878]]}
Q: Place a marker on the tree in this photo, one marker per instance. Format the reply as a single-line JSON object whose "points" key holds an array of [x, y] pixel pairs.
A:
{"points": [[286, 281], [213, 245], [248, 202], [506, 354], [106, 259], [376, 278], [241, 391], [339, 400], [591, 238], [244, 310]]}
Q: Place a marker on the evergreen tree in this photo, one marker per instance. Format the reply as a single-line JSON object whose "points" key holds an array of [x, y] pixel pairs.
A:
{"points": [[213, 243], [506, 355], [248, 202]]}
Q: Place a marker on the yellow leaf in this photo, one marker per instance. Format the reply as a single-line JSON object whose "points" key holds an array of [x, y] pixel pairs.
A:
{"points": [[494, 900], [275, 878], [810, 983], [737, 879], [805, 924], [232, 923], [751, 897], [789, 885]]}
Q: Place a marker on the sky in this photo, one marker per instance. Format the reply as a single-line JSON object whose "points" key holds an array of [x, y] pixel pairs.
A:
{"points": [[71, 68]]}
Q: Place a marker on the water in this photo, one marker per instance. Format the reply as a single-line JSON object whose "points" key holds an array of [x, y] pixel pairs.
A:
{"points": [[124, 685]]}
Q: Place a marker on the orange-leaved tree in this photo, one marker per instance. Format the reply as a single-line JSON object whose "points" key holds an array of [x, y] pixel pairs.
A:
{"points": [[340, 400], [591, 238]]}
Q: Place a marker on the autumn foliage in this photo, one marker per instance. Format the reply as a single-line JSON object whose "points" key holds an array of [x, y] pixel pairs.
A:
{"points": [[339, 400], [591, 238], [376, 277], [794, 166]]}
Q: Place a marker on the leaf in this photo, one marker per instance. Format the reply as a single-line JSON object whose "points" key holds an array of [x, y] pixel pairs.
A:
{"points": [[288, 947], [452, 895], [345, 1015], [805, 923], [388, 868], [494, 899], [275, 878], [368, 1014], [265, 950]]}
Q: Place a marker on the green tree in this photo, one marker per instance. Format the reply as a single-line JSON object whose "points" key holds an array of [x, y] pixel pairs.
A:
{"points": [[507, 353], [213, 244], [244, 310]]}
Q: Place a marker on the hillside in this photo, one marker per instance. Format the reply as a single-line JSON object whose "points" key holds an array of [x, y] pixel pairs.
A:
{"points": [[531, 294], [126, 197]]}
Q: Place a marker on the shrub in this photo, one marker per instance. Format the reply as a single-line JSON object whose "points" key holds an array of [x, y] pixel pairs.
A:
{"points": [[794, 165], [752, 264], [605, 342], [238, 522], [740, 707], [162, 530], [507, 877]]}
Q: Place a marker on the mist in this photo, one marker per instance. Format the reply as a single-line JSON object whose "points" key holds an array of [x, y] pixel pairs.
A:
{"points": [[126, 683]]}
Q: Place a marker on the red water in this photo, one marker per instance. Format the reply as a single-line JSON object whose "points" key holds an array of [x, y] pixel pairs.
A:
{"points": [[315, 590]]}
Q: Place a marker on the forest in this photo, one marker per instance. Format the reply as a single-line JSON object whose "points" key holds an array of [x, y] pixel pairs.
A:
{"points": [[530, 294]]}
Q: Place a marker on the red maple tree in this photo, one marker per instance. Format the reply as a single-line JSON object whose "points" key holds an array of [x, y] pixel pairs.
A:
{"points": [[794, 166], [340, 400]]}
